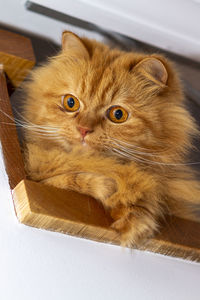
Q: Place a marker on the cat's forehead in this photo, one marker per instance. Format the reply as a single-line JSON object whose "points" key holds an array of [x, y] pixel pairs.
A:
{"points": [[104, 85], [105, 80]]}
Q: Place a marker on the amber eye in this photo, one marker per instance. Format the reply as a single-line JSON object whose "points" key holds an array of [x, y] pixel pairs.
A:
{"points": [[70, 103], [117, 114]]}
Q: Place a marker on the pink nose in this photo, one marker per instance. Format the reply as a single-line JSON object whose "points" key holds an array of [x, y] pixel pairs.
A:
{"points": [[84, 131]]}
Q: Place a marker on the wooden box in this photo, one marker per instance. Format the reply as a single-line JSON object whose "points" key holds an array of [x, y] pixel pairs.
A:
{"points": [[75, 214]]}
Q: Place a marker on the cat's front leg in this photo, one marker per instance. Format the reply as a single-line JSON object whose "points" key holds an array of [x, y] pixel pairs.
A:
{"points": [[58, 168], [98, 186]]}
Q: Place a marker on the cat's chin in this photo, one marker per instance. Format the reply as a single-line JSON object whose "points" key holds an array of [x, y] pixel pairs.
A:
{"points": [[84, 144], [87, 146], [78, 143]]}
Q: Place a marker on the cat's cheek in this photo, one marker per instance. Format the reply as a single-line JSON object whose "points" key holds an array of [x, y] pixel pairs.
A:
{"points": [[95, 141], [90, 145], [89, 142]]}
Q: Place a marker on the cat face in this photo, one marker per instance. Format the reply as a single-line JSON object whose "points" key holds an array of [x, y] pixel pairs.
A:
{"points": [[108, 100]]}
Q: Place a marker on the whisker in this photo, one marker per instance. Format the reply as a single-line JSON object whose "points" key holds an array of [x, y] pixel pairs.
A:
{"points": [[35, 125], [44, 134], [137, 147], [7, 123], [11, 118], [22, 116], [122, 154], [26, 124], [43, 131], [147, 161], [169, 164], [131, 151], [125, 143]]}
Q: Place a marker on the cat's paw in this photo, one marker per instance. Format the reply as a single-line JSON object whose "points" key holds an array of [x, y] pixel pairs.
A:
{"points": [[134, 231]]}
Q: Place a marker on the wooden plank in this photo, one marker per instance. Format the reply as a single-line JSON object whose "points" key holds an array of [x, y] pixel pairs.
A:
{"points": [[64, 211], [9, 139], [16, 55]]}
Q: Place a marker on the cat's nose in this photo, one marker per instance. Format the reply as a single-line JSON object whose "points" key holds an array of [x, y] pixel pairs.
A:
{"points": [[84, 131]]}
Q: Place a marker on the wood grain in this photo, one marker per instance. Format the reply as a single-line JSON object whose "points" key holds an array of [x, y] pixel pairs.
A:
{"points": [[9, 139], [16, 55], [68, 212], [63, 211]]}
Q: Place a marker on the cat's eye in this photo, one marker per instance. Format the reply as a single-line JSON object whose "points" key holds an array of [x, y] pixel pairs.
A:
{"points": [[70, 103], [117, 114]]}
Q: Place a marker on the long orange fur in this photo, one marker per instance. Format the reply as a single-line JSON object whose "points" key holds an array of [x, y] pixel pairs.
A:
{"points": [[136, 168]]}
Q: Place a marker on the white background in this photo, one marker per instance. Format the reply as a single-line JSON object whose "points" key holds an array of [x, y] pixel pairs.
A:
{"points": [[36, 264]]}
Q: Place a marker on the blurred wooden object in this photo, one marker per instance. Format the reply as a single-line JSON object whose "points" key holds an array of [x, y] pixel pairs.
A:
{"points": [[79, 215], [8, 135], [16, 55]]}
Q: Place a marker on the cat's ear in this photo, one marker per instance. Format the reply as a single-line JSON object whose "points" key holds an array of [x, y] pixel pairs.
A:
{"points": [[73, 44], [153, 69]]}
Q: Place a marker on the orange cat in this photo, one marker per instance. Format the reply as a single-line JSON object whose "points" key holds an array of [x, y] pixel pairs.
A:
{"points": [[112, 125]]}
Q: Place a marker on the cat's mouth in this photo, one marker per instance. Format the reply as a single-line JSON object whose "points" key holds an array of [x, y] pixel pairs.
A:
{"points": [[85, 142]]}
